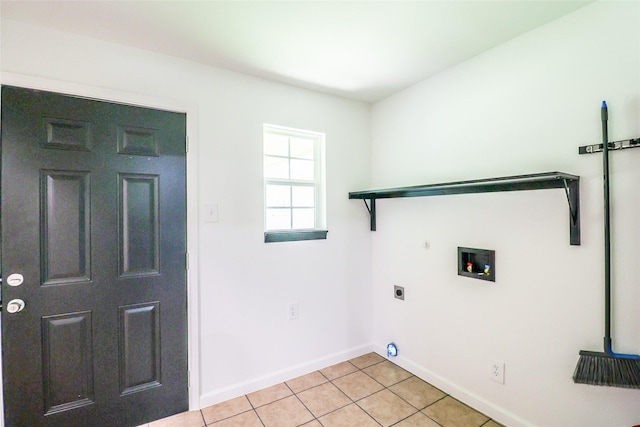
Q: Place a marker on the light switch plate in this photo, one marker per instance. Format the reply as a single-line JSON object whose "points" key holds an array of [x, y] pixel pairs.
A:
{"points": [[210, 213]]}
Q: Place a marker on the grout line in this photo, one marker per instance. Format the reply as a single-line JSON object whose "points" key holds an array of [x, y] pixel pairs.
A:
{"points": [[305, 407], [259, 419], [402, 398], [246, 396], [253, 408], [383, 388], [418, 410]]}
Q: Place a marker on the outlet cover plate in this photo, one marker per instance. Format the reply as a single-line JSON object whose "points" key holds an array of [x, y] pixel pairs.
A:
{"points": [[293, 311], [496, 371]]}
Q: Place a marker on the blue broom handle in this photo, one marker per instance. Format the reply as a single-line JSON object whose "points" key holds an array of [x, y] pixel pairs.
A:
{"points": [[607, 228], [607, 243]]}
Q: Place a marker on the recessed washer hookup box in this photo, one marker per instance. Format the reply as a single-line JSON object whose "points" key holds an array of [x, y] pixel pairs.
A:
{"points": [[477, 263]]}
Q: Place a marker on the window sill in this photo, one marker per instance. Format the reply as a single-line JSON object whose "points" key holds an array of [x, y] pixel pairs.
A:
{"points": [[293, 236]]}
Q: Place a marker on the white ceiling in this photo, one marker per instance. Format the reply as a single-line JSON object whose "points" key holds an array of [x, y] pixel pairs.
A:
{"points": [[363, 50]]}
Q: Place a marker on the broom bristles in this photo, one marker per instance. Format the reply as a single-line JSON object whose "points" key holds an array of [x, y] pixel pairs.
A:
{"points": [[607, 370]]}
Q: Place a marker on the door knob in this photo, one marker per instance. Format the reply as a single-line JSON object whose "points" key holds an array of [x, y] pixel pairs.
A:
{"points": [[15, 306]]}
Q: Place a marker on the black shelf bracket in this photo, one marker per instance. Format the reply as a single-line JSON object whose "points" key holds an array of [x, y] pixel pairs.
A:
{"points": [[371, 207], [572, 189], [539, 181]]}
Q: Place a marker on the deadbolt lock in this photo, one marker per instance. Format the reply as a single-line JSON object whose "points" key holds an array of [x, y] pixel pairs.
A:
{"points": [[15, 279]]}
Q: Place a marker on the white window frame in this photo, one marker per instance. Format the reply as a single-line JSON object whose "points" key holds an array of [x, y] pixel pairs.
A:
{"points": [[319, 183]]}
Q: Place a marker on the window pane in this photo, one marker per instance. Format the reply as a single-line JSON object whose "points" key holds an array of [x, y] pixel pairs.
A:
{"points": [[303, 196], [278, 219], [302, 148], [302, 169], [278, 196], [276, 167], [303, 218], [276, 145]]}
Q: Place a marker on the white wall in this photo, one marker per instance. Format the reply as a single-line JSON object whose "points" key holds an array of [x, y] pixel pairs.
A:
{"points": [[524, 107], [244, 285]]}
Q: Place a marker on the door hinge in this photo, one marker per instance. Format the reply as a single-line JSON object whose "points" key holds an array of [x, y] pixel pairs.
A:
{"points": [[188, 379], [186, 144], [186, 260]]}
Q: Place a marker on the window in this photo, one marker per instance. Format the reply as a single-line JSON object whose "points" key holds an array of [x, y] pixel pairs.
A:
{"points": [[294, 190]]}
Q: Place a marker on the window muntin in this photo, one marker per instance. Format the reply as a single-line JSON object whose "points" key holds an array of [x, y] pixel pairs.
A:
{"points": [[293, 180]]}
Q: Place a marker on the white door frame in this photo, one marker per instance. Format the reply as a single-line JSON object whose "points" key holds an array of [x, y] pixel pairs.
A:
{"points": [[191, 110]]}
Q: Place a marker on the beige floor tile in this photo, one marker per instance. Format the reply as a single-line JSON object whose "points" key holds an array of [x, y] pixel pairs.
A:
{"points": [[246, 419], [314, 423], [349, 416], [366, 360], [450, 412], [417, 392], [492, 423], [417, 420], [306, 381], [387, 374], [185, 419], [339, 370], [323, 399], [357, 385], [386, 408], [226, 409], [288, 412], [269, 394]]}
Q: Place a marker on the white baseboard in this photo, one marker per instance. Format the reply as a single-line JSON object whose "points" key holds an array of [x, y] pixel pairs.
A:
{"points": [[477, 402], [258, 383]]}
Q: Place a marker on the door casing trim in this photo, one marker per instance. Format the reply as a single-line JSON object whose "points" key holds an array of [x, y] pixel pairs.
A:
{"points": [[180, 106]]}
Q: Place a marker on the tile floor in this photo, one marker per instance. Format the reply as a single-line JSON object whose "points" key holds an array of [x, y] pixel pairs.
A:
{"points": [[368, 391]]}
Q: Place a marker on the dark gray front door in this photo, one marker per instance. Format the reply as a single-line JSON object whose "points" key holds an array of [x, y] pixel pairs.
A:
{"points": [[93, 220]]}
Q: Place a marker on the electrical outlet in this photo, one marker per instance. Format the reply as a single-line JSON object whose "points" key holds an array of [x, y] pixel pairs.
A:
{"points": [[398, 292], [293, 311], [496, 371]]}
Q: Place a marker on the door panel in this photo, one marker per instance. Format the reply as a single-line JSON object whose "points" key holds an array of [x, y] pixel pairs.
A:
{"points": [[137, 141], [67, 134], [66, 255], [67, 361], [139, 347], [94, 218], [138, 197]]}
